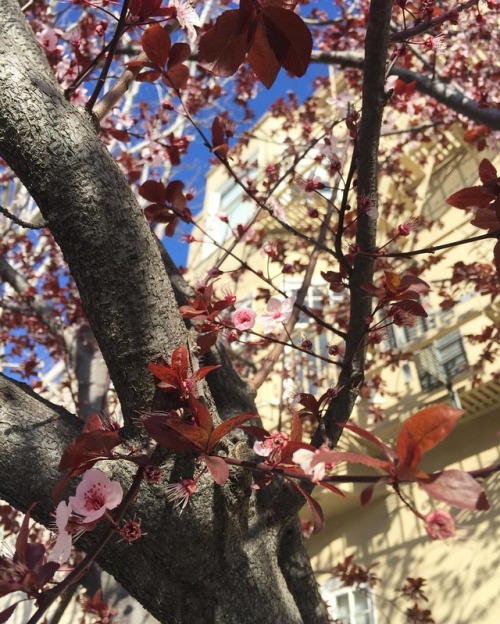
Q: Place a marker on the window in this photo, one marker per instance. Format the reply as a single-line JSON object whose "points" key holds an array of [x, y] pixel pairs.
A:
{"points": [[349, 605], [318, 299], [439, 363]]}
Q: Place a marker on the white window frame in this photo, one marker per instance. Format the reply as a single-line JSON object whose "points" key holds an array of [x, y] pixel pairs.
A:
{"points": [[333, 589]]}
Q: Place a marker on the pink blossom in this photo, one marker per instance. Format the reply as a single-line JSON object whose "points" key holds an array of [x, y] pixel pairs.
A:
{"points": [[180, 493], [62, 547], [314, 463], [278, 210], [95, 495], [243, 319], [187, 18], [278, 311], [439, 524], [271, 445], [48, 38]]}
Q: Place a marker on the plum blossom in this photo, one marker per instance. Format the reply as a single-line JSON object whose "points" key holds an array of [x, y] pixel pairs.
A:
{"points": [[278, 210], [62, 547], [278, 311], [439, 525], [95, 495], [187, 18], [48, 38], [271, 445], [243, 319], [180, 493], [313, 463], [291, 393]]}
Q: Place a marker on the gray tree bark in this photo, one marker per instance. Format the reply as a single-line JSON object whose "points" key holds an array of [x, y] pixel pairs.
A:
{"points": [[222, 561]]}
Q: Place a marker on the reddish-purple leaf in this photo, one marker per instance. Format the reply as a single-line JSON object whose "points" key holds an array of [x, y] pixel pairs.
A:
{"points": [[148, 76], [6, 613], [176, 434], [410, 306], [202, 372], [456, 488], [296, 432], [223, 48], [179, 53], [89, 447], [177, 77], [227, 426], [473, 196], [367, 494], [257, 432], [170, 379], [332, 488], [153, 191], [156, 44], [336, 457], [314, 506], [423, 431], [201, 414], [261, 57], [487, 171], [22, 538], [486, 219], [218, 468], [371, 438], [206, 341], [180, 361], [289, 39], [496, 256]]}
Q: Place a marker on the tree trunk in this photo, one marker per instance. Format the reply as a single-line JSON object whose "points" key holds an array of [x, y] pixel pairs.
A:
{"points": [[218, 562]]}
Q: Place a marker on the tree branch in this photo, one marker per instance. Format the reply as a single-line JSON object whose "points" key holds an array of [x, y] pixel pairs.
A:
{"points": [[436, 89], [373, 102]]}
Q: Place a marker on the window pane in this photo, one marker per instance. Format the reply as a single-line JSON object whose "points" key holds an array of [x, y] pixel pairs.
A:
{"points": [[342, 610], [360, 601]]}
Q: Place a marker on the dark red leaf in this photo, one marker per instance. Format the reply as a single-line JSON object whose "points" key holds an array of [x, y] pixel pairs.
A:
{"points": [[175, 434], [471, 197], [206, 341], [177, 77], [423, 431], [487, 171], [223, 48], [496, 256], [180, 361], [371, 438], [201, 414], [261, 57], [296, 432], [355, 458], [148, 76], [314, 506], [218, 468], [332, 488], [170, 379], [257, 432], [367, 494], [156, 44], [227, 426], [179, 53], [6, 613], [289, 39], [22, 538], [486, 219], [456, 488], [409, 305], [153, 191], [88, 448]]}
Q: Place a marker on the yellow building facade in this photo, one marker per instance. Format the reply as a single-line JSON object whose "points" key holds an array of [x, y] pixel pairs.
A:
{"points": [[462, 573]]}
